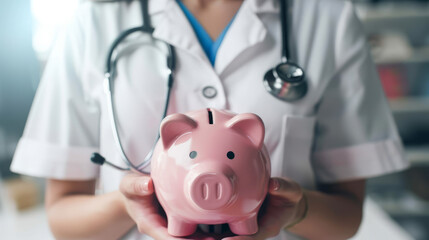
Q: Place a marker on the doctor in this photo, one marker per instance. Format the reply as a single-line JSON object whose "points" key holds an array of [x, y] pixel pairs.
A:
{"points": [[322, 146]]}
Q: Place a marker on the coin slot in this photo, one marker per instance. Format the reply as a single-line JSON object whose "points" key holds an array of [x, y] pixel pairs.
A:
{"points": [[210, 116]]}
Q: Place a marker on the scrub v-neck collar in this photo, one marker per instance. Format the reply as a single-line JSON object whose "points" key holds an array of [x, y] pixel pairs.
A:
{"points": [[246, 31], [209, 45]]}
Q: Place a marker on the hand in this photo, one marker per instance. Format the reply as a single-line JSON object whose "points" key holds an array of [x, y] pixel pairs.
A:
{"points": [[283, 206], [143, 207]]}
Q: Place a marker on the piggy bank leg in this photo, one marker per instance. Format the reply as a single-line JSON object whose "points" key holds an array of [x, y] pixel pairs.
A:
{"points": [[179, 228], [247, 226]]}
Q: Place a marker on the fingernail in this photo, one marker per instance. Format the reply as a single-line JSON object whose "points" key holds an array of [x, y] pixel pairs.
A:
{"points": [[145, 184], [275, 185]]}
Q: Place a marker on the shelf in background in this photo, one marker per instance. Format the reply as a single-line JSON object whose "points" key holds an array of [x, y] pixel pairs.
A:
{"points": [[398, 212], [389, 12], [419, 56], [413, 112], [371, 15], [406, 204], [390, 23], [410, 105], [418, 155]]}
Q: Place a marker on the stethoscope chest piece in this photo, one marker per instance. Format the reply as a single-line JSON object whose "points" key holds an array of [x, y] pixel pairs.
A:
{"points": [[286, 82]]}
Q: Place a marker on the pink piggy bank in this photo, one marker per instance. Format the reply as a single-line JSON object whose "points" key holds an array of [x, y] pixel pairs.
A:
{"points": [[211, 167]]}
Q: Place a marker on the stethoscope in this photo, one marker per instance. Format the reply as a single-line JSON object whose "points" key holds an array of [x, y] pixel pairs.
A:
{"points": [[285, 82]]}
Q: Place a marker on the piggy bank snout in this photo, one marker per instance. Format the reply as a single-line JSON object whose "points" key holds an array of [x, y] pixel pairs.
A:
{"points": [[211, 190]]}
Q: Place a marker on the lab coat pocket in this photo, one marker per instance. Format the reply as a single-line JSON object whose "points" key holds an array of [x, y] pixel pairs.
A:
{"points": [[297, 141]]}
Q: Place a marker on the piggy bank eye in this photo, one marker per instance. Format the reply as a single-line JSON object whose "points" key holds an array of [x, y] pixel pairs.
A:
{"points": [[230, 155], [193, 154]]}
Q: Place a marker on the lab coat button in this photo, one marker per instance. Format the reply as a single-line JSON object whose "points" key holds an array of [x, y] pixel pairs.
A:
{"points": [[209, 92]]}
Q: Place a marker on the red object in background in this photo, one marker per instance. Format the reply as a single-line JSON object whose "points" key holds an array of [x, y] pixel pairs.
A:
{"points": [[393, 82]]}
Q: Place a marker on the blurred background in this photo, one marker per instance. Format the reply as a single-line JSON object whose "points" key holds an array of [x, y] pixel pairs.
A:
{"points": [[398, 31]]}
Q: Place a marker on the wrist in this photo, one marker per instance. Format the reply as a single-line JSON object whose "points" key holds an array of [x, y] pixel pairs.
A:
{"points": [[301, 213], [119, 202]]}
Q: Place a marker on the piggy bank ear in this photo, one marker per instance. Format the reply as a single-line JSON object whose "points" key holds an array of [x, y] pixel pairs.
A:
{"points": [[174, 126], [250, 126]]}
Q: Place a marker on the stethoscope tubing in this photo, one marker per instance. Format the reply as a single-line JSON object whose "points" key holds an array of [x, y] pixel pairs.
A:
{"points": [[110, 74], [119, 39], [109, 92], [284, 23]]}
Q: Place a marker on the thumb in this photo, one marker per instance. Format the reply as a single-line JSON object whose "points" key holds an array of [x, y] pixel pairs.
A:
{"points": [[238, 238], [136, 185], [285, 188]]}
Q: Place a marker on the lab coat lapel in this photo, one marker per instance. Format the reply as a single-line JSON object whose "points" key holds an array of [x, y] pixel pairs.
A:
{"points": [[246, 31], [175, 29]]}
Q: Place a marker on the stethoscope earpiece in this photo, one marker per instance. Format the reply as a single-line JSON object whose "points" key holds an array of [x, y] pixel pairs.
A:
{"points": [[286, 82]]}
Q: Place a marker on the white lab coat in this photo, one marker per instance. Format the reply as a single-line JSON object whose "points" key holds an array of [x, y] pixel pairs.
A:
{"points": [[341, 130]]}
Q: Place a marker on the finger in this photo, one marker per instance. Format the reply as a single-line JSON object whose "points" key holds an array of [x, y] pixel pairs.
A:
{"points": [[260, 235], [151, 223], [136, 185], [240, 238], [285, 188], [162, 234], [200, 236], [155, 226]]}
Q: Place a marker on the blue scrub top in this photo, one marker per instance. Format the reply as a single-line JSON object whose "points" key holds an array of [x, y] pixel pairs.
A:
{"points": [[209, 46]]}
